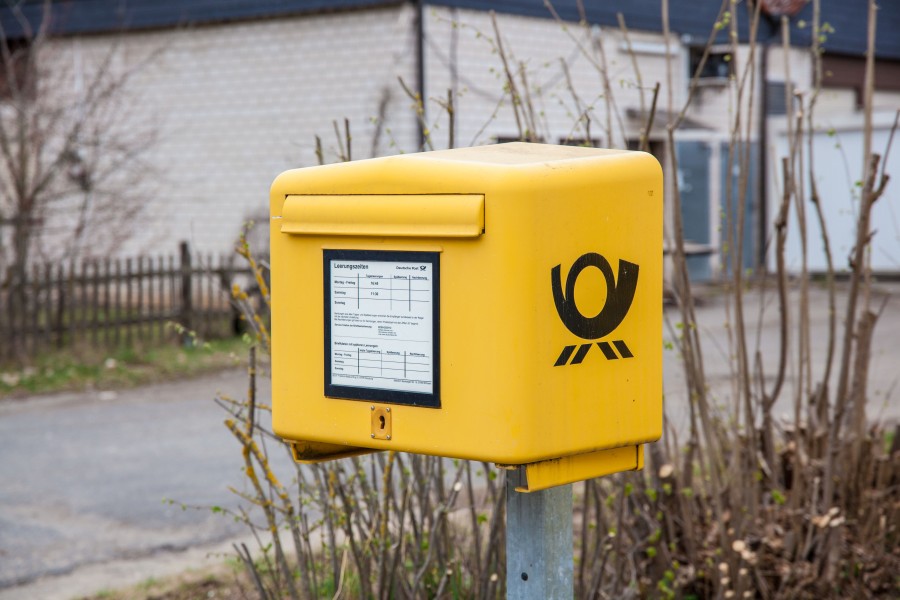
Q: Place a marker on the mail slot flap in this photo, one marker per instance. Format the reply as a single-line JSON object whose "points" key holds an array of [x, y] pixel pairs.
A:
{"points": [[420, 215]]}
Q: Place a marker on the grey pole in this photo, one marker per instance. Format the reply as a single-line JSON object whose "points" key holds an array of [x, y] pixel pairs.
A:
{"points": [[538, 542]]}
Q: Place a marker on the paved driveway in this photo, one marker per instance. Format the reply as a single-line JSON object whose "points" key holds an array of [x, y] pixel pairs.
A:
{"points": [[762, 318], [83, 477]]}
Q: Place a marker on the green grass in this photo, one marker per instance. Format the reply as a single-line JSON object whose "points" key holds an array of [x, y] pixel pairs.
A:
{"points": [[149, 583], [94, 368]]}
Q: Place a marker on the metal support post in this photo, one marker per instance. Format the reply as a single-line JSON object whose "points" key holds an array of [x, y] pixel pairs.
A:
{"points": [[538, 541]]}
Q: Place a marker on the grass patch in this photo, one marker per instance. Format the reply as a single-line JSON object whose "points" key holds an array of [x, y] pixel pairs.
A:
{"points": [[94, 368]]}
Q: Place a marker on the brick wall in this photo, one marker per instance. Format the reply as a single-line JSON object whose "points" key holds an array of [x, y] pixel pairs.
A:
{"points": [[465, 39], [235, 104]]}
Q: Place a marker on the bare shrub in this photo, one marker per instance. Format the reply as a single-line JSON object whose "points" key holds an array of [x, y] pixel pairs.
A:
{"points": [[746, 506], [70, 152]]}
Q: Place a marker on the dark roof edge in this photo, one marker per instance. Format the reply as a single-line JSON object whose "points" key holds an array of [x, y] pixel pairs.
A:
{"points": [[696, 24], [96, 21], [86, 17]]}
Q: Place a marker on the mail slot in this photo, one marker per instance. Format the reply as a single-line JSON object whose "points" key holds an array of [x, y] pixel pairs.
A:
{"points": [[500, 303]]}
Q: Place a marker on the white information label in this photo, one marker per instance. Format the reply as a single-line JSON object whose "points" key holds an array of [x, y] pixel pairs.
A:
{"points": [[382, 329]]}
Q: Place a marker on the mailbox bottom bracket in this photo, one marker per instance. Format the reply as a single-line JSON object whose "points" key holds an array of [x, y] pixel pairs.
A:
{"points": [[578, 467], [534, 476], [315, 452]]}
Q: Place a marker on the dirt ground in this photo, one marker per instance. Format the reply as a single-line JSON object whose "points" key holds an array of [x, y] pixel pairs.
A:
{"points": [[218, 583]]}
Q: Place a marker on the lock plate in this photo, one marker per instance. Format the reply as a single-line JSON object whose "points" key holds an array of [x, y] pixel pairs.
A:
{"points": [[381, 422]]}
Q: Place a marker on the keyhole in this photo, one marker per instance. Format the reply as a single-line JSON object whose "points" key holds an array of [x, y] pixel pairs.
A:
{"points": [[381, 418]]}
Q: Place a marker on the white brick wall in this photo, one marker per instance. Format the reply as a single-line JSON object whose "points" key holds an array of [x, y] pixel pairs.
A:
{"points": [[540, 44], [235, 104]]}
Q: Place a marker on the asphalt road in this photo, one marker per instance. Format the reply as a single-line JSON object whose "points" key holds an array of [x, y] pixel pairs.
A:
{"points": [[715, 317], [83, 477]]}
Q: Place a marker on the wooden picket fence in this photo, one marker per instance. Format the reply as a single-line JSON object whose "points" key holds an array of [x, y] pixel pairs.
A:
{"points": [[119, 302]]}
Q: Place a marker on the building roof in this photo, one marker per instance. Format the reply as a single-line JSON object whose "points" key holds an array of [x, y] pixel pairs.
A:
{"points": [[73, 17], [695, 18], [690, 18]]}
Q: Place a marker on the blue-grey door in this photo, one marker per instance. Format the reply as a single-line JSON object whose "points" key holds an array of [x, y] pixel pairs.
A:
{"points": [[693, 183], [732, 200]]}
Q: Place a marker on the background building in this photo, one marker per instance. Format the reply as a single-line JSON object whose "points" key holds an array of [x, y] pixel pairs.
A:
{"points": [[237, 92]]}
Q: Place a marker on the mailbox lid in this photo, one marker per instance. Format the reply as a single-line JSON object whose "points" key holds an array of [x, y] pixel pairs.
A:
{"points": [[385, 215]]}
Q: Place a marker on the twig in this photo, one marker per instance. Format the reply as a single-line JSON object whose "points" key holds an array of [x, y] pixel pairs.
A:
{"points": [[340, 587], [419, 105], [648, 127], [439, 515], [320, 157], [244, 554], [510, 81], [634, 62]]}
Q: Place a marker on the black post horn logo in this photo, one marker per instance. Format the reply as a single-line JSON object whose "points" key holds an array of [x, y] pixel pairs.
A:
{"points": [[619, 296]]}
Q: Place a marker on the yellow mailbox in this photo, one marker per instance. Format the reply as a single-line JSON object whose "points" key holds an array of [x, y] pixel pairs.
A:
{"points": [[500, 303]]}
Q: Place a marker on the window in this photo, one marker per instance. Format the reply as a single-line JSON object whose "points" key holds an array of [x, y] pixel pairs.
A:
{"points": [[580, 141], [718, 66], [776, 97], [656, 147], [16, 70], [848, 72], [505, 139]]}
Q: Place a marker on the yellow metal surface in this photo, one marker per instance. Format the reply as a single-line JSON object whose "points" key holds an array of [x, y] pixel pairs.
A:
{"points": [[550, 320], [448, 215], [569, 469]]}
